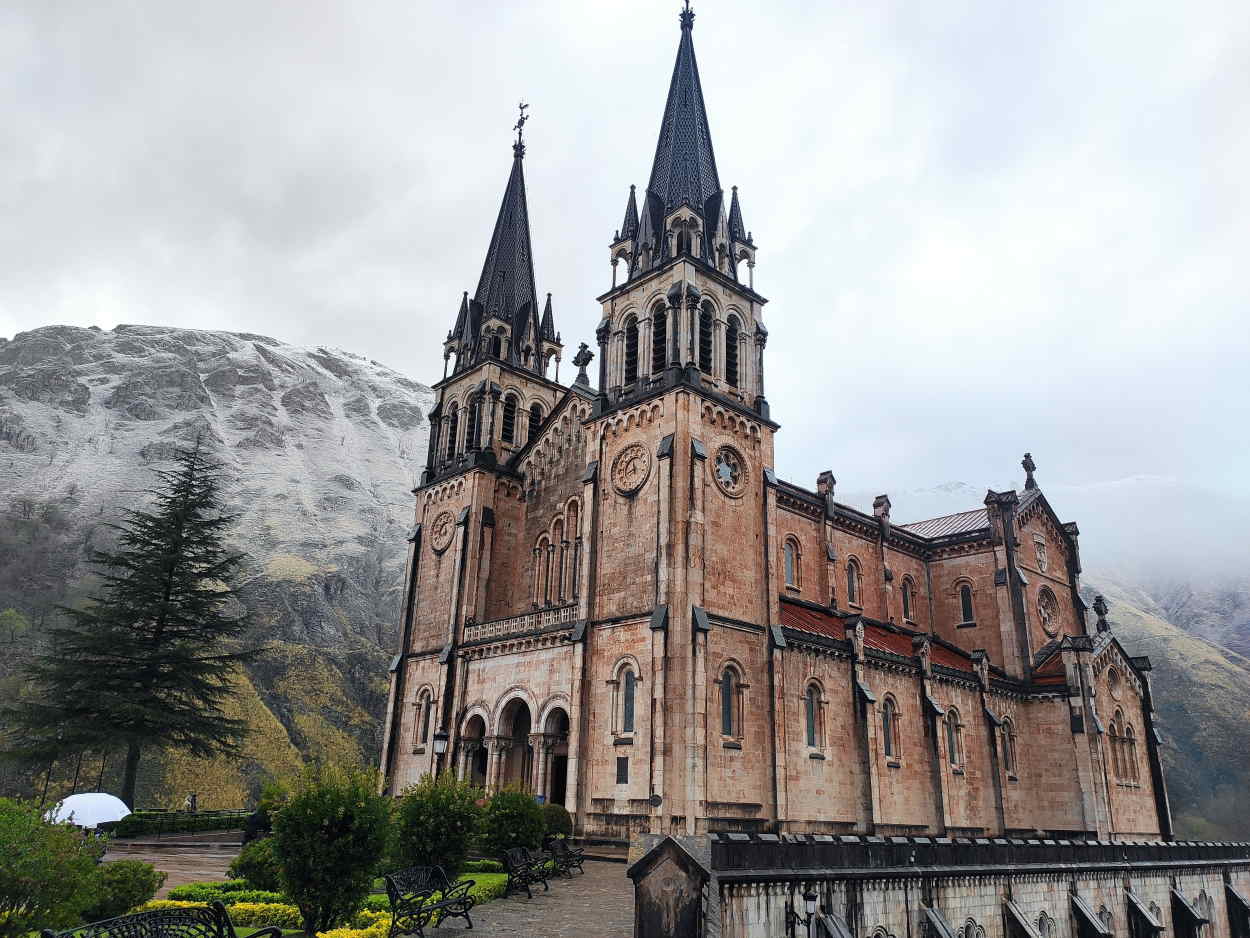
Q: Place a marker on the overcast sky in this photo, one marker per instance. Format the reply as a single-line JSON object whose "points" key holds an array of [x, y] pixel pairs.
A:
{"points": [[984, 227]]}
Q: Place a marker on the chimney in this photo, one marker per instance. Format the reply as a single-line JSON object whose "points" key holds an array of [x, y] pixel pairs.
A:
{"points": [[825, 483]]}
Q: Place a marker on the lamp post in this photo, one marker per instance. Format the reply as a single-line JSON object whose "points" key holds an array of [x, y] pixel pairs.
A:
{"points": [[793, 919], [440, 749]]}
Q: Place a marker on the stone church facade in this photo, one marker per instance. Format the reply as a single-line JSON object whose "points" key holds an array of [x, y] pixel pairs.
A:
{"points": [[615, 602]]}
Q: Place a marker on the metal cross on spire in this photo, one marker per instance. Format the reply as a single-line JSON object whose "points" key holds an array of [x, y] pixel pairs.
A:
{"points": [[519, 147], [687, 15]]}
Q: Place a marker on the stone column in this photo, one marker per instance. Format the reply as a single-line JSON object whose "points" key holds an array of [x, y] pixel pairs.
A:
{"points": [[537, 766], [492, 762], [644, 347]]}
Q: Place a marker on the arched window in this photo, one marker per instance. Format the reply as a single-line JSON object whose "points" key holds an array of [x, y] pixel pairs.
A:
{"points": [[536, 421], [496, 345], [953, 748], [453, 428], [558, 543], [852, 582], [575, 562], [705, 340], [659, 340], [683, 241], [423, 718], [629, 683], [965, 604], [1009, 746], [792, 562], [542, 571], [1114, 737], [909, 590], [1130, 754], [889, 727], [731, 351], [631, 350], [730, 703], [472, 439], [811, 701], [509, 419]]}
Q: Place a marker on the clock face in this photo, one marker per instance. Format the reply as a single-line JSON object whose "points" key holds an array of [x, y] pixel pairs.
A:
{"points": [[631, 468], [441, 531], [730, 472]]}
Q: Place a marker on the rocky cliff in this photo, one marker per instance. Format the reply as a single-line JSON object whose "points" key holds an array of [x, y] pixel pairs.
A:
{"points": [[321, 449]]}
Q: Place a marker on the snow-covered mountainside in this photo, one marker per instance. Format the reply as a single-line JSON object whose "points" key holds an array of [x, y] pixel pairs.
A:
{"points": [[322, 449]]}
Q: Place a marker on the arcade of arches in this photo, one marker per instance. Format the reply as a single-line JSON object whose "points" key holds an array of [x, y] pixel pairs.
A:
{"points": [[517, 755]]}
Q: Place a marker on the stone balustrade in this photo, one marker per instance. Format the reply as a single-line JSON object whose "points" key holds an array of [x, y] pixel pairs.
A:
{"points": [[537, 621]]}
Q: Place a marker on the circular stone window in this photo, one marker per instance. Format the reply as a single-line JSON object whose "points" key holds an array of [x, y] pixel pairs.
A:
{"points": [[730, 471], [441, 531], [1048, 611], [631, 468]]}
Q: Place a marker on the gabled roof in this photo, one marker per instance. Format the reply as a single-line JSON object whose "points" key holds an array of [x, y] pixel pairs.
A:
{"points": [[959, 523], [684, 170]]}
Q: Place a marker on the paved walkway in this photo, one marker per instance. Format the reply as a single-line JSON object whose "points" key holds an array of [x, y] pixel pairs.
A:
{"points": [[599, 904]]}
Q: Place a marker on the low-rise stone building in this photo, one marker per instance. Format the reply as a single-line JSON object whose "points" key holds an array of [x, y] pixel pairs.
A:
{"points": [[614, 601]]}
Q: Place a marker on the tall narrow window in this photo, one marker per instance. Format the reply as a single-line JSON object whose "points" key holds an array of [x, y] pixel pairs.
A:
{"points": [[852, 582], [965, 604], [509, 419], [453, 427], [659, 339], [475, 424], [791, 552], [889, 728], [812, 701], [558, 543], [731, 352], [425, 718], [952, 737], [628, 684], [496, 346], [1130, 754], [1009, 747], [536, 421], [705, 340], [907, 590], [540, 571], [728, 690], [631, 350]]}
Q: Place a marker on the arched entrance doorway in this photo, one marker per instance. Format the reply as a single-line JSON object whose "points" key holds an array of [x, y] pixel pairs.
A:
{"points": [[518, 759], [473, 748], [556, 744]]}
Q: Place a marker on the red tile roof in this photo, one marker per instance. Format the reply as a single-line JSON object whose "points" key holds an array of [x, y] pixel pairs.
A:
{"points": [[875, 636]]}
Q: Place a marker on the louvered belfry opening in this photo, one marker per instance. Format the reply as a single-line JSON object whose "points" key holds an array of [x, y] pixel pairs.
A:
{"points": [[631, 350]]}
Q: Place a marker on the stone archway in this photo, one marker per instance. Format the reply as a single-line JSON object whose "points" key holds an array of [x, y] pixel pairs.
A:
{"points": [[473, 751], [553, 784], [517, 755]]}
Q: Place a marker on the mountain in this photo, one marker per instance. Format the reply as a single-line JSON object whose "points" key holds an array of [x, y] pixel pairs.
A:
{"points": [[321, 450]]}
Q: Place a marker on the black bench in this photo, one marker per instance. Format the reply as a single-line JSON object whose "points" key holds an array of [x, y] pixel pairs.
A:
{"points": [[423, 895], [210, 921], [523, 870], [567, 858]]}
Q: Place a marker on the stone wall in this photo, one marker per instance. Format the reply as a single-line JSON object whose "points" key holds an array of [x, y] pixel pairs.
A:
{"points": [[940, 888]]}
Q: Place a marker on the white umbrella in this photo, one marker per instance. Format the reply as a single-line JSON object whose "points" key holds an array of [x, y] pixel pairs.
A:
{"points": [[89, 809]]}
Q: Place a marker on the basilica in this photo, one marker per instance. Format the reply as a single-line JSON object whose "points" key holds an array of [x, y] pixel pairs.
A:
{"points": [[615, 601]]}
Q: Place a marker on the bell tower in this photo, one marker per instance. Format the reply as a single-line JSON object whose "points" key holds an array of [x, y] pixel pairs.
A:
{"points": [[683, 306]]}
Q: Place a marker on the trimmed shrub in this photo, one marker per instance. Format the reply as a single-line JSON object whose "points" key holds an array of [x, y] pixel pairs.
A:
{"points": [[328, 839], [482, 866], [258, 865], [48, 872], [147, 823], [248, 914], [124, 884], [435, 821], [513, 819], [558, 821], [209, 892]]}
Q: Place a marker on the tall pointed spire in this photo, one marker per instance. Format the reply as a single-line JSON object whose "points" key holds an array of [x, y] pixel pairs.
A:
{"points": [[548, 328], [505, 291], [684, 169], [737, 230]]}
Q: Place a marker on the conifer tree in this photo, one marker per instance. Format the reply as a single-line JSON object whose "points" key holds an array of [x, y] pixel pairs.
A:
{"points": [[150, 658]]}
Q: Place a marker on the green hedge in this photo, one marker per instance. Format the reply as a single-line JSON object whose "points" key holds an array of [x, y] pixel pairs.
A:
{"points": [[483, 866], [210, 892]]}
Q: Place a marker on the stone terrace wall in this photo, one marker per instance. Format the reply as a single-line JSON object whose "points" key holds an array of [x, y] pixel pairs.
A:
{"points": [[884, 887]]}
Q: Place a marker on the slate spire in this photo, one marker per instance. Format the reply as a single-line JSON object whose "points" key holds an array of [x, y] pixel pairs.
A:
{"points": [[548, 329], [684, 169], [629, 227], [737, 230], [505, 291]]}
